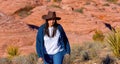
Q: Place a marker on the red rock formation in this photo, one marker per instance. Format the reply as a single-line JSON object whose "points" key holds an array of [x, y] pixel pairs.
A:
{"points": [[80, 18]]}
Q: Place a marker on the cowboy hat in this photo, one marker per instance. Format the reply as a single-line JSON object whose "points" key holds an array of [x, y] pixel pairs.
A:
{"points": [[50, 15]]}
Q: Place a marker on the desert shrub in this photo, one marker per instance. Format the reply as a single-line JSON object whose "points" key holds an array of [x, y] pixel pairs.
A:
{"points": [[24, 12], [28, 59], [55, 6], [86, 52], [87, 3], [107, 60], [54, 0], [113, 39], [20, 60], [12, 51], [57, 0], [98, 36], [5, 61], [106, 4], [84, 56], [112, 1], [75, 55], [32, 58], [80, 10]]}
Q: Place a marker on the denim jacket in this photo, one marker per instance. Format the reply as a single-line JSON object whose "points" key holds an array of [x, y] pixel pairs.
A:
{"points": [[63, 41]]}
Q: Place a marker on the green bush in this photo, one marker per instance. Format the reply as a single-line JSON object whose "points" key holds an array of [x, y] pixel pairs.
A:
{"points": [[98, 36], [113, 39], [12, 51]]}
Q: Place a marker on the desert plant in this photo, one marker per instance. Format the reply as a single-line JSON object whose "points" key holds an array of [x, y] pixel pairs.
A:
{"points": [[84, 56], [56, 0], [98, 36], [113, 39], [20, 60], [87, 3], [106, 4], [26, 59], [112, 1], [107, 60], [24, 12], [80, 10], [32, 58], [12, 51], [75, 54], [5, 61], [55, 6]]}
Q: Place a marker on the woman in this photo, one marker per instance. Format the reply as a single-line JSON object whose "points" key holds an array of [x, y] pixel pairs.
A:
{"points": [[51, 41]]}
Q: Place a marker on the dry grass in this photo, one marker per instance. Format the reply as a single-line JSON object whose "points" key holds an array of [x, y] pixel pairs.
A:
{"points": [[88, 53]]}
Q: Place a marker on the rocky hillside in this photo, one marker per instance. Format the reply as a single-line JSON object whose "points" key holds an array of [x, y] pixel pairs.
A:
{"points": [[80, 19]]}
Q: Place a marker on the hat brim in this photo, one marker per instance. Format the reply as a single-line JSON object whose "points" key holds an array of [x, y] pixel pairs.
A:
{"points": [[46, 17]]}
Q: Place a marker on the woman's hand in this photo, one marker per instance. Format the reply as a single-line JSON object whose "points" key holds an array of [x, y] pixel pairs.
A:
{"points": [[67, 58], [40, 61], [68, 55]]}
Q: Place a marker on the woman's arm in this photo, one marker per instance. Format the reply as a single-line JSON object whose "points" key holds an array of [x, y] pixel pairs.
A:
{"points": [[39, 41], [66, 42], [38, 45]]}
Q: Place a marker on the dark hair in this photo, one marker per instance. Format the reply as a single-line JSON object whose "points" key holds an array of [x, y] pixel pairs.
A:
{"points": [[46, 31]]}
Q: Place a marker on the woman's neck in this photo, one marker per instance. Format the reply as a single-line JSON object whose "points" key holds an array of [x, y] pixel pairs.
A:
{"points": [[50, 26]]}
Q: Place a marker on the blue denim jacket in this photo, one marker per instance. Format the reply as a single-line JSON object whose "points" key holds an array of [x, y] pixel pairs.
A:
{"points": [[63, 41]]}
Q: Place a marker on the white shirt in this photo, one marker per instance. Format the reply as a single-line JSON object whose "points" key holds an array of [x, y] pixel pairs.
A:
{"points": [[51, 43]]}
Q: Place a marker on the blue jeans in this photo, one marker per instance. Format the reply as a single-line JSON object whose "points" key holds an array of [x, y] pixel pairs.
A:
{"points": [[54, 59]]}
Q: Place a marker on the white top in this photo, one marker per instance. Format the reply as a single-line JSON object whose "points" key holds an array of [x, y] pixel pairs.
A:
{"points": [[51, 43]]}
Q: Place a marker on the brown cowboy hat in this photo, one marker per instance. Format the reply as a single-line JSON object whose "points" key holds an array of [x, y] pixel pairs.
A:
{"points": [[50, 15]]}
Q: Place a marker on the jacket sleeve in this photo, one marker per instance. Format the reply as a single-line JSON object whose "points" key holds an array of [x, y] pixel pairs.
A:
{"points": [[66, 42], [38, 44]]}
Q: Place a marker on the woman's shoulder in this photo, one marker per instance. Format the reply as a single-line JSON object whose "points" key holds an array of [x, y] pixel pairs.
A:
{"points": [[41, 27], [59, 25]]}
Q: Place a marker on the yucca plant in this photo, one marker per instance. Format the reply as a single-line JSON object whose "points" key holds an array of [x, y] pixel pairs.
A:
{"points": [[113, 40], [12, 51]]}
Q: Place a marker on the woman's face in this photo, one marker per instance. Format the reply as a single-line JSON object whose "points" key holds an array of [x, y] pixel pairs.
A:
{"points": [[51, 22]]}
